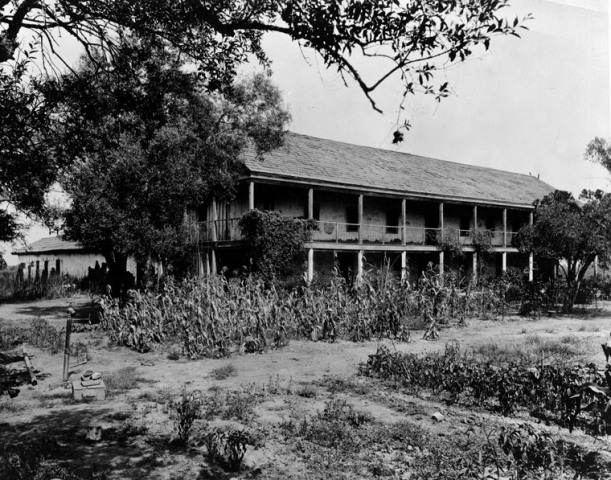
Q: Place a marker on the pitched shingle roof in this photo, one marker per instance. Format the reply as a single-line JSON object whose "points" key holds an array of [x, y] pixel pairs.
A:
{"points": [[316, 160], [49, 244]]}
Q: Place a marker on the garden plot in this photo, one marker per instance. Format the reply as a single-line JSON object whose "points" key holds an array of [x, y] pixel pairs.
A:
{"points": [[303, 411]]}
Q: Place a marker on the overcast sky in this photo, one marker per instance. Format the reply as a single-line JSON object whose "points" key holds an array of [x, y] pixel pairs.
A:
{"points": [[528, 105]]}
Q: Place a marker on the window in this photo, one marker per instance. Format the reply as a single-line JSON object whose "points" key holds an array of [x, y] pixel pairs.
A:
{"points": [[352, 219]]}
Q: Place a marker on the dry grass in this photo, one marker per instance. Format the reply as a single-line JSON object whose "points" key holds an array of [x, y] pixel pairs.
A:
{"points": [[224, 372]]}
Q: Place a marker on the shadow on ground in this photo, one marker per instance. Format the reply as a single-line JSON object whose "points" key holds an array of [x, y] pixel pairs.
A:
{"points": [[60, 435]]}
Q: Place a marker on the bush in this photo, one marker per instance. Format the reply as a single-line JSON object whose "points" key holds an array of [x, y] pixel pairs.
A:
{"points": [[547, 391]]}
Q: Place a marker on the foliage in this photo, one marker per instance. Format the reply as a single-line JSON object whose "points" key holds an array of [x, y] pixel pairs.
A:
{"points": [[275, 243], [227, 447], [570, 235], [39, 334], [28, 169], [333, 427], [217, 316], [546, 390], [481, 240], [448, 240], [121, 380], [406, 40], [144, 148], [184, 412], [599, 151], [55, 286]]}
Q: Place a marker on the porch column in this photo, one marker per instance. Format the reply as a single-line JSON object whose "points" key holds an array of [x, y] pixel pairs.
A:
{"points": [[359, 264], [214, 220], [208, 271], [441, 262], [213, 261], [475, 266], [504, 230], [310, 203], [360, 213], [531, 258], [474, 217], [403, 265], [441, 216], [310, 272], [403, 222], [596, 265], [504, 261], [251, 195], [200, 263]]}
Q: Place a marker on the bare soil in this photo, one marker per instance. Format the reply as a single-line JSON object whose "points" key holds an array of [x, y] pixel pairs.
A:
{"points": [[274, 389]]}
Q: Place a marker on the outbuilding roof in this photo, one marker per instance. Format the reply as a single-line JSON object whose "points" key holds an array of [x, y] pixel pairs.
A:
{"points": [[305, 159], [49, 244]]}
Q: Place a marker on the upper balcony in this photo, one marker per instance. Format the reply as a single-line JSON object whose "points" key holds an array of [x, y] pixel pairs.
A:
{"points": [[353, 233]]}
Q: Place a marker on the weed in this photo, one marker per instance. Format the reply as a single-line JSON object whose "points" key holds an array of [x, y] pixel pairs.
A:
{"points": [[307, 391], [334, 427], [161, 396], [174, 354], [227, 447], [224, 372], [238, 405], [121, 380], [184, 412]]}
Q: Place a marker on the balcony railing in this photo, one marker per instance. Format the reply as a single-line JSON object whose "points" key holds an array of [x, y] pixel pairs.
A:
{"points": [[340, 232]]}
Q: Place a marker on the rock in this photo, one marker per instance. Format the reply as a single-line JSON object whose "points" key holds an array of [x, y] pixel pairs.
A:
{"points": [[437, 416]]}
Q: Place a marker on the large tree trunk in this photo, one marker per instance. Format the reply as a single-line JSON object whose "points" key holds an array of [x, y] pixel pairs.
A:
{"points": [[119, 279]]}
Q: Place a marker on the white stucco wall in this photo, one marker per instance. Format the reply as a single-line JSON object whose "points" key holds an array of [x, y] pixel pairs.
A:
{"points": [[74, 264]]}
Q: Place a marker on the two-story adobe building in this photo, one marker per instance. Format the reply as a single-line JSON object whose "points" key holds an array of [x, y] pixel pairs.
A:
{"points": [[372, 204]]}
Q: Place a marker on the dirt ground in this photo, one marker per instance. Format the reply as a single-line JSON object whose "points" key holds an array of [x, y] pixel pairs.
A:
{"points": [[275, 388]]}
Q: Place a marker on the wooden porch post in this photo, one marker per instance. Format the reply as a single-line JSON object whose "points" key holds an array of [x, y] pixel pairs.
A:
{"points": [[531, 259], [475, 266], [403, 265], [504, 261], [214, 221], [404, 221], [504, 228], [441, 255], [213, 261], [474, 217], [360, 213], [310, 272], [310, 203], [251, 195], [359, 264]]}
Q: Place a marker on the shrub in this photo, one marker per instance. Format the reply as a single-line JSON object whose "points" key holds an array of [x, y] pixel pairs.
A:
{"points": [[184, 412]]}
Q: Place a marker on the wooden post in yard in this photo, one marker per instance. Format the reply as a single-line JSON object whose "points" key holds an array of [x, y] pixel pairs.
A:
{"points": [[67, 350]]}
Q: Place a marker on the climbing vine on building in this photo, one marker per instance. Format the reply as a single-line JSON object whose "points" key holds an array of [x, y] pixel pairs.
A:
{"points": [[275, 244]]}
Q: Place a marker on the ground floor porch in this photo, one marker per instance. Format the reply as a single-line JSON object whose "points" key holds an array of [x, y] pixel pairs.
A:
{"points": [[354, 261]]}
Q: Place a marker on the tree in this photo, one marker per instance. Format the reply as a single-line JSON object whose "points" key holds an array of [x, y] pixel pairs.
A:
{"points": [[570, 234], [144, 148], [410, 38], [599, 151], [27, 168]]}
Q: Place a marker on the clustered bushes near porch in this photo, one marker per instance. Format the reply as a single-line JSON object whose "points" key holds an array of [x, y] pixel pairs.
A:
{"points": [[215, 316]]}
